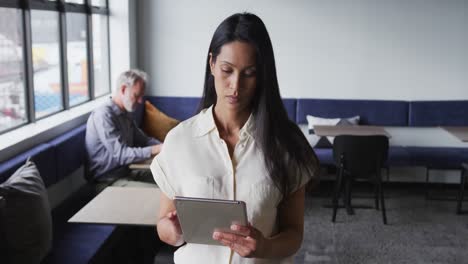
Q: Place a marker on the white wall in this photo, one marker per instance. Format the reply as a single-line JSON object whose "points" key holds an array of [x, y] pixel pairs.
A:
{"points": [[119, 31], [369, 49], [132, 33]]}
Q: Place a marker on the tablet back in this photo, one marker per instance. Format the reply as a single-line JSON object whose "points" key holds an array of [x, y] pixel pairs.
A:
{"points": [[199, 217]]}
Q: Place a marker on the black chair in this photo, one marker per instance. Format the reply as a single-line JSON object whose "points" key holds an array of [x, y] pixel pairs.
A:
{"points": [[462, 187], [359, 157]]}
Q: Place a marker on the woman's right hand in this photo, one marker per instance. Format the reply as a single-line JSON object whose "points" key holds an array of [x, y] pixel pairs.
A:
{"points": [[171, 224]]}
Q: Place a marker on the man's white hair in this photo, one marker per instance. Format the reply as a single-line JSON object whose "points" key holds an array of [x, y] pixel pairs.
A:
{"points": [[130, 77]]}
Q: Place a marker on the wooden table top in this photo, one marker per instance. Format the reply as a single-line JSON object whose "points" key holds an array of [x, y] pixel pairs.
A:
{"points": [[459, 132], [453, 137], [142, 165], [350, 130], [121, 206]]}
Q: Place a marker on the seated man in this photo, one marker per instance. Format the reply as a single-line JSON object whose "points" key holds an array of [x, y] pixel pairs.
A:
{"points": [[113, 139]]}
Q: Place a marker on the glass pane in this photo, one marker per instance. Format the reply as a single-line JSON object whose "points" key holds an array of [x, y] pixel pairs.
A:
{"points": [[98, 3], [12, 88], [77, 58], [46, 62], [101, 55], [75, 1]]}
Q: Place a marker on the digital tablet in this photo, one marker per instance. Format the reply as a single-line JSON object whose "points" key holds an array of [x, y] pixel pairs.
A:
{"points": [[200, 217]]}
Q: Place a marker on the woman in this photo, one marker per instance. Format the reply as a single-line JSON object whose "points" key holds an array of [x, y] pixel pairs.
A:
{"points": [[240, 146]]}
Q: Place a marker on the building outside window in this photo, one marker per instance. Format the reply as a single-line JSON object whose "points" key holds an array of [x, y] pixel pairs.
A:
{"points": [[12, 84], [54, 55], [77, 59], [46, 62]]}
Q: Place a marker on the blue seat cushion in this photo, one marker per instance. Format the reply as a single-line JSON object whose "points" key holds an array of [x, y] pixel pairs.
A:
{"points": [[69, 151], [437, 158], [78, 243], [44, 157], [371, 112], [72, 242], [398, 156], [438, 113], [325, 156]]}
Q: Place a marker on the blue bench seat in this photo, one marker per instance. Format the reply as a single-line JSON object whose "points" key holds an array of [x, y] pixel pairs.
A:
{"points": [[437, 158], [325, 156], [56, 159], [398, 156], [76, 243]]}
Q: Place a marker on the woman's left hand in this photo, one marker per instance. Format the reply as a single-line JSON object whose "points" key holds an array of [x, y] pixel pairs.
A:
{"points": [[251, 242]]}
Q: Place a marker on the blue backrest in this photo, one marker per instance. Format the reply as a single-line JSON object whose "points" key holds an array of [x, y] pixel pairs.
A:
{"points": [[43, 156], [438, 113], [291, 106], [182, 108], [371, 112], [70, 151], [55, 159]]}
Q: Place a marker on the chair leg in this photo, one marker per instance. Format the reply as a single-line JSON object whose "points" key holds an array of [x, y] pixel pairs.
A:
{"points": [[382, 201], [347, 197], [338, 187], [461, 191], [376, 194], [427, 184]]}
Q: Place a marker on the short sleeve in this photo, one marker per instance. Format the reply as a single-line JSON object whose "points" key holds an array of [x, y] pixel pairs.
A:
{"points": [[159, 169], [298, 175]]}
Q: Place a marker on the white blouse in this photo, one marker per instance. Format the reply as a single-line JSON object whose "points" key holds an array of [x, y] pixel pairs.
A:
{"points": [[195, 162]]}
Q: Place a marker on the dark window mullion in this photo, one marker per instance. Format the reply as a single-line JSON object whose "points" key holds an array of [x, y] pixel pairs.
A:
{"points": [[100, 10], [28, 63], [108, 54], [41, 5], [63, 56], [10, 3], [89, 45], [76, 8]]}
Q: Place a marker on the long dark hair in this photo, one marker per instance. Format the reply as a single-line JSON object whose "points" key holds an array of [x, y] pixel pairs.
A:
{"points": [[284, 146]]}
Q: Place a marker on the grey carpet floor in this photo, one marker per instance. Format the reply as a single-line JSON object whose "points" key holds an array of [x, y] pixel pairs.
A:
{"points": [[418, 231]]}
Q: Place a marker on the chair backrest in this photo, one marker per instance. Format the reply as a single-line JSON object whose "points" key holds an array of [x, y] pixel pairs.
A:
{"points": [[360, 155]]}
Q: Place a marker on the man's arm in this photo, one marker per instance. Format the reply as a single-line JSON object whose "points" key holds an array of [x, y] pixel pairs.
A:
{"points": [[141, 139], [111, 138]]}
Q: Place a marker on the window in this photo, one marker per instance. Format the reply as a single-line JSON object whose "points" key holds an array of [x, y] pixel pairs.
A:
{"points": [[46, 62], [75, 1], [98, 2], [100, 51], [54, 55], [77, 58], [12, 85]]}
